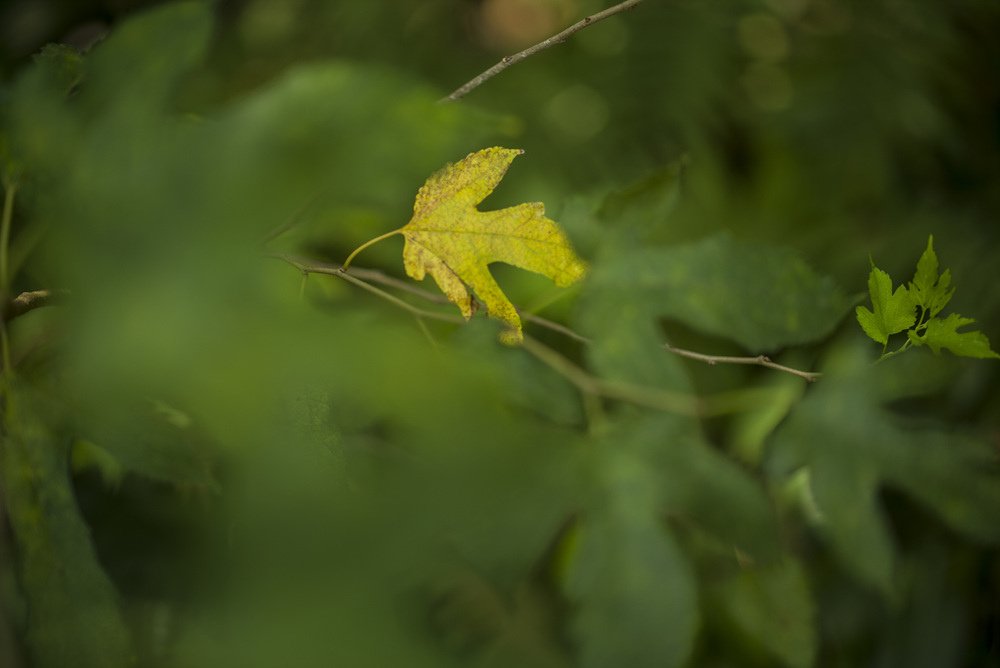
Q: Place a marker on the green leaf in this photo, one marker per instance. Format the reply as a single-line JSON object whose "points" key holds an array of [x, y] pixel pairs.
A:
{"points": [[706, 488], [953, 475], [631, 582], [928, 290], [762, 297], [88, 456], [73, 614], [845, 490], [38, 132], [642, 212], [243, 173], [142, 437], [944, 334], [750, 429], [62, 65], [893, 311], [621, 319], [307, 131], [853, 448], [770, 609], [636, 594], [638, 210], [137, 68], [829, 433], [633, 588]]}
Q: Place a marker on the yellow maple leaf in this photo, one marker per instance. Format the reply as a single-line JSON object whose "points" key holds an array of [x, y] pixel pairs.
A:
{"points": [[454, 242]]}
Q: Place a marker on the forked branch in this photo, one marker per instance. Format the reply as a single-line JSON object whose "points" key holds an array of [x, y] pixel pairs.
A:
{"points": [[365, 278]]}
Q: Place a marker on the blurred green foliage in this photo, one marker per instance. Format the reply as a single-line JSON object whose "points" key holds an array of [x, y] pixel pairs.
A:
{"points": [[209, 459]]}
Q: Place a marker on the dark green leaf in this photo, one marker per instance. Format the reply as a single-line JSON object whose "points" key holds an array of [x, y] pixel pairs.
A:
{"points": [[639, 210], [771, 610], [38, 133], [621, 319], [145, 437], [700, 485], [955, 476], [635, 591], [74, 619], [62, 65], [845, 491], [853, 448], [762, 297], [135, 71], [633, 587]]}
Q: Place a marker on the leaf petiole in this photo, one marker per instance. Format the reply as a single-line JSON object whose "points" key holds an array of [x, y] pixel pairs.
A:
{"points": [[893, 353], [370, 242]]}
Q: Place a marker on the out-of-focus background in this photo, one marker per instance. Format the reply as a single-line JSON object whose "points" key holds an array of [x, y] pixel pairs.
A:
{"points": [[211, 460], [852, 119]]}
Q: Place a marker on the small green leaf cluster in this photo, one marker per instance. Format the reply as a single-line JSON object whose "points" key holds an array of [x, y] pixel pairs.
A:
{"points": [[914, 308]]}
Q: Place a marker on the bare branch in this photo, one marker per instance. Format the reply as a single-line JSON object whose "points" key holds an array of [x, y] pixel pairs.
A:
{"points": [[759, 360], [307, 267], [29, 301], [591, 387], [369, 276], [555, 327], [558, 38], [643, 395], [647, 397]]}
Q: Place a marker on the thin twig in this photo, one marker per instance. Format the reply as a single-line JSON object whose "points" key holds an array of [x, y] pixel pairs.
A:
{"points": [[29, 301], [330, 270], [647, 397], [758, 360], [415, 310], [369, 275], [374, 276], [555, 327], [558, 38], [592, 387], [306, 266]]}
